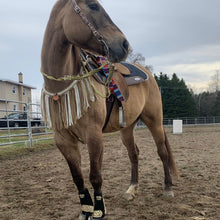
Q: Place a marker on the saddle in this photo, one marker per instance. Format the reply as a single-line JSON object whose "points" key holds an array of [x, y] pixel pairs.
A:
{"points": [[131, 73], [125, 74]]}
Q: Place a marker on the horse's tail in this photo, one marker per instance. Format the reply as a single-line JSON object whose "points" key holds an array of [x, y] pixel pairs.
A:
{"points": [[171, 162]]}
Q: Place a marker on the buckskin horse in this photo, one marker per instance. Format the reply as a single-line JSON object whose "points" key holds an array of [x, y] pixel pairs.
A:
{"points": [[71, 104]]}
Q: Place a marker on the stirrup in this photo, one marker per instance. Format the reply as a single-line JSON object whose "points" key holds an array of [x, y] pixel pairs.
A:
{"points": [[122, 122]]}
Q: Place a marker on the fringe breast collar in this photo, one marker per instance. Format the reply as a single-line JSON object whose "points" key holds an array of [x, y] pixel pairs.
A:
{"points": [[69, 104]]}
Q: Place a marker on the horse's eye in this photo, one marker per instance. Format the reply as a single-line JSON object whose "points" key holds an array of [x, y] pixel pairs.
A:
{"points": [[94, 6]]}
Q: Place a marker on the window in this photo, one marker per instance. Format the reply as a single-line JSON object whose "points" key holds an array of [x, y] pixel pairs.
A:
{"points": [[14, 107], [24, 91], [14, 89]]}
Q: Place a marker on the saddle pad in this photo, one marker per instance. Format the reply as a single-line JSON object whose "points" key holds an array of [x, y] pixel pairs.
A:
{"points": [[112, 86], [137, 75]]}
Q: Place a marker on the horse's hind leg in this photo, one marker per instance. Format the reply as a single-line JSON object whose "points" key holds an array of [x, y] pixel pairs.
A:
{"points": [[68, 145], [164, 151], [127, 137]]}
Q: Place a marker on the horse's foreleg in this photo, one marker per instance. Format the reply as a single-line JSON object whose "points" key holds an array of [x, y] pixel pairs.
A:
{"points": [[68, 146], [133, 152], [95, 146]]}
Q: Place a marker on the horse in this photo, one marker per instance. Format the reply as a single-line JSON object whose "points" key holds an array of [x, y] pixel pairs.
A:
{"points": [[72, 107]]}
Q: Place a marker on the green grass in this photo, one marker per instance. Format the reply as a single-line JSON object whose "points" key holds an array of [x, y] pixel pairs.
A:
{"points": [[20, 149], [23, 135]]}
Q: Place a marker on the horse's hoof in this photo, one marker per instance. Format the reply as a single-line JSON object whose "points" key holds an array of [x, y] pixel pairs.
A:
{"points": [[84, 217], [129, 197], [131, 192], [168, 193]]}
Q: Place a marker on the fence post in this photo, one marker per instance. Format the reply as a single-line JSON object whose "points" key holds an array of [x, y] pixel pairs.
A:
{"points": [[8, 124], [29, 125]]}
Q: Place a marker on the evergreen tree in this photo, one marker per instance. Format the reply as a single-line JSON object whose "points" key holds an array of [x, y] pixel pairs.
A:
{"points": [[176, 97]]}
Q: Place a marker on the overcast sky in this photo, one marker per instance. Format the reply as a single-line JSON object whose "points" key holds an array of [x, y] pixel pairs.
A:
{"points": [[181, 36]]}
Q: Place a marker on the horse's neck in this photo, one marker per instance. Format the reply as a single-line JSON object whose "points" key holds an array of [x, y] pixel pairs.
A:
{"points": [[58, 58]]}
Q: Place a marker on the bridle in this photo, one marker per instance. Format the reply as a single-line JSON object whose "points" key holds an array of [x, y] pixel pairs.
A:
{"points": [[97, 35], [89, 73]]}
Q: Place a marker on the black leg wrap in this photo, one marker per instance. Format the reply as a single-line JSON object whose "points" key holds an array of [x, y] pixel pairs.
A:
{"points": [[86, 204], [99, 209]]}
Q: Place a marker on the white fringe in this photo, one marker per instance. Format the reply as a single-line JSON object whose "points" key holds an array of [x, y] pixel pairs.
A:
{"points": [[47, 107], [66, 107], [85, 99], [78, 103], [70, 117], [42, 104], [91, 94]]}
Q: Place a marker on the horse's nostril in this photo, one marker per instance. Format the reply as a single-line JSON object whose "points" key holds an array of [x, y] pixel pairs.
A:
{"points": [[125, 44], [118, 50]]}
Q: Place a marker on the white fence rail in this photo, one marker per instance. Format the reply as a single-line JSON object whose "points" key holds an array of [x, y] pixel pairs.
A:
{"points": [[196, 121], [27, 126], [21, 126]]}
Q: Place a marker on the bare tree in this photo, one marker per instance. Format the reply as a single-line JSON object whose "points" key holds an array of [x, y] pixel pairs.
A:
{"points": [[136, 57], [214, 85], [150, 68], [139, 59]]}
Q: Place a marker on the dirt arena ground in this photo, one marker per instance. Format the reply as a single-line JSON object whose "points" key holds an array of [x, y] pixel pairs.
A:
{"points": [[39, 186]]}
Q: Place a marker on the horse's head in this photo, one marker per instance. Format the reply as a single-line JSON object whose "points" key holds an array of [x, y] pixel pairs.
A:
{"points": [[88, 26]]}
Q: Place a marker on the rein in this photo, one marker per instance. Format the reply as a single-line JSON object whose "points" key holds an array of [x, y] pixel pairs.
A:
{"points": [[87, 75], [70, 77]]}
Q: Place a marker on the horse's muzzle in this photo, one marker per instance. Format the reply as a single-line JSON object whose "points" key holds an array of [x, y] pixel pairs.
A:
{"points": [[118, 50]]}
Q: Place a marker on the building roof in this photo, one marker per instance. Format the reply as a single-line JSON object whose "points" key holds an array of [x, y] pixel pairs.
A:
{"points": [[17, 83]]}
